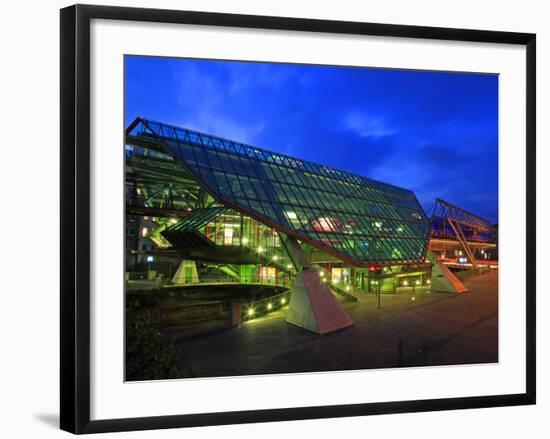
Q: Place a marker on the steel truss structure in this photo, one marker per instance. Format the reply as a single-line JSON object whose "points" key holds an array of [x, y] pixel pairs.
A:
{"points": [[356, 219], [462, 225]]}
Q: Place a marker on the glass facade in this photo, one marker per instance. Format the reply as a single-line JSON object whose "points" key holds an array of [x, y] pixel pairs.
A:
{"points": [[352, 217], [155, 180]]}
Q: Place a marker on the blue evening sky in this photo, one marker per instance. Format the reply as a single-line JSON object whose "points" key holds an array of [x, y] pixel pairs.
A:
{"points": [[435, 133]]}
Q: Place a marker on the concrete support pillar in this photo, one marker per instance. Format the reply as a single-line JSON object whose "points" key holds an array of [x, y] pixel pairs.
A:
{"points": [[186, 273], [312, 304], [235, 309], [314, 307], [445, 281]]}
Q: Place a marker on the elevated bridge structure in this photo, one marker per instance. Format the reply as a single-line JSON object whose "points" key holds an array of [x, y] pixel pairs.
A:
{"points": [[453, 227]]}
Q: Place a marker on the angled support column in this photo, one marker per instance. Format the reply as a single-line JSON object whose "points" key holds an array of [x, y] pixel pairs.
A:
{"points": [[463, 242], [295, 253], [312, 304]]}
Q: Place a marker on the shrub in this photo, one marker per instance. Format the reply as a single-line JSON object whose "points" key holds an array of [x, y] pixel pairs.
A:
{"points": [[151, 353]]}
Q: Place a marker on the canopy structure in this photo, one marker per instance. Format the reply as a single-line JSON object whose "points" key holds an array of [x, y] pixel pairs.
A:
{"points": [[351, 217]]}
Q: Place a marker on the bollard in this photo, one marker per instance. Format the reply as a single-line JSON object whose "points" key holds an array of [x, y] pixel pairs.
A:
{"points": [[235, 314]]}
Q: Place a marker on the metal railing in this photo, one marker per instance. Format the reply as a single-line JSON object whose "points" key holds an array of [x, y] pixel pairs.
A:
{"points": [[244, 280], [462, 274], [264, 306]]}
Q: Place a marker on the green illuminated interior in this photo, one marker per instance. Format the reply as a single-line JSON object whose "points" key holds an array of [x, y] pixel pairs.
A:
{"points": [[222, 227]]}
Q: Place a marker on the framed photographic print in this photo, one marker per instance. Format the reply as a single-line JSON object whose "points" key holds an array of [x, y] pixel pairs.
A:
{"points": [[268, 218]]}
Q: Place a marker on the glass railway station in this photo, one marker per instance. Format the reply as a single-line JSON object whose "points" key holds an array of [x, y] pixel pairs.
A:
{"points": [[208, 217]]}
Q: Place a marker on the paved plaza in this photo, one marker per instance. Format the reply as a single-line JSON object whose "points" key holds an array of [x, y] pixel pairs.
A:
{"points": [[411, 328]]}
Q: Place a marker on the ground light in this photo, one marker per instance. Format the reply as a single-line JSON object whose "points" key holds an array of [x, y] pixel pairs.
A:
{"points": [[417, 282], [283, 301], [405, 283], [250, 312], [269, 306]]}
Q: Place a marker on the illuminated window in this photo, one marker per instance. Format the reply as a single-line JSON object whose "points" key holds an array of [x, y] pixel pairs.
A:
{"points": [[340, 275], [228, 236], [325, 224], [268, 273], [336, 275]]}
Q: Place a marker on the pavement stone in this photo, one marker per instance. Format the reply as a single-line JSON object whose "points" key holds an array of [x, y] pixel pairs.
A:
{"points": [[412, 328]]}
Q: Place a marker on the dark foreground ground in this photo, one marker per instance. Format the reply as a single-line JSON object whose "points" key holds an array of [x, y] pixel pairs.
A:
{"points": [[410, 329]]}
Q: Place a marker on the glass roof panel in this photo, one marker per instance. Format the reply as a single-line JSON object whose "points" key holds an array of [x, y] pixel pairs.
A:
{"points": [[355, 217]]}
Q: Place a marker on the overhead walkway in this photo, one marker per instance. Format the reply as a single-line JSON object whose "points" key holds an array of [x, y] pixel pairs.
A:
{"points": [[452, 222]]}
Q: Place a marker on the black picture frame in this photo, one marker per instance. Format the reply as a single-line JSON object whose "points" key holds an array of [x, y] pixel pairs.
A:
{"points": [[75, 217]]}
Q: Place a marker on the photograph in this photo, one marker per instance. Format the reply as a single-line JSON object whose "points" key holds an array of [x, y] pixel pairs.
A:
{"points": [[295, 218], [270, 220]]}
